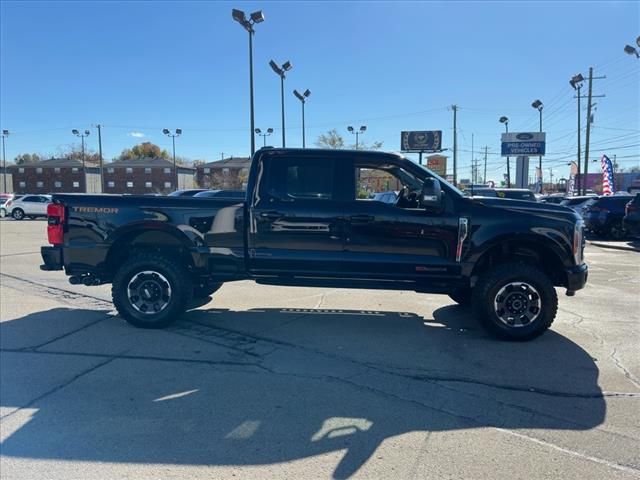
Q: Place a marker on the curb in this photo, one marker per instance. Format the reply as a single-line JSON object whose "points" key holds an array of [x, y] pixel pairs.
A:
{"points": [[613, 247]]}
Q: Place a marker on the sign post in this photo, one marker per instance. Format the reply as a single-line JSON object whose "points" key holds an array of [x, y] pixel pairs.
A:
{"points": [[523, 145]]}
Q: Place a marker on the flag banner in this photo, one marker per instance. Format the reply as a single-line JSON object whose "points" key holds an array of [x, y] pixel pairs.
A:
{"points": [[608, 186], [572, 179]]}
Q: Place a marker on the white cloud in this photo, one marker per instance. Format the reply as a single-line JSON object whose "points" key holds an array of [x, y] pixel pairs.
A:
{"points": [[136, 134]]}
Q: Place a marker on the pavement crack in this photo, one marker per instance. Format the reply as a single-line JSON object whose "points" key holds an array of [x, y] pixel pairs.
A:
{"points": [[61, 386], [625, 371]]}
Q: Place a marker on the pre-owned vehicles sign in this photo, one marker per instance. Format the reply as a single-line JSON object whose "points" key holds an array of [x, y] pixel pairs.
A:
{"points": [[523, 143]]}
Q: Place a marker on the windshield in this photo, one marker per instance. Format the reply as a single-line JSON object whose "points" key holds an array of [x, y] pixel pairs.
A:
{"points": [[431, 173]]}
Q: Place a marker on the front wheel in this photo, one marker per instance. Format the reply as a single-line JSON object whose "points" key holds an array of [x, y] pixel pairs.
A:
{"points": [[515, 301], [151, 291], [17, 214]]}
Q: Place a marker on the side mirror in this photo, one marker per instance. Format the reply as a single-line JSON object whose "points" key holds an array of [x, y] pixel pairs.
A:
{"points": [[431, 196]]}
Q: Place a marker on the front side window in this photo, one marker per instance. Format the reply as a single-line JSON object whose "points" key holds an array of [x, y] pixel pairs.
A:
{"points": [[292, 178]]}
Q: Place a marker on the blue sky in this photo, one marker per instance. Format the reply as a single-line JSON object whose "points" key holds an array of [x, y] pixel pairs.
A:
{"points": [[138, 67]]}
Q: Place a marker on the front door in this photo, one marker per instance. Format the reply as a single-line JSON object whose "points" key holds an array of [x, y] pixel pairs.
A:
{"points": [[296, 223], [397, 240]]}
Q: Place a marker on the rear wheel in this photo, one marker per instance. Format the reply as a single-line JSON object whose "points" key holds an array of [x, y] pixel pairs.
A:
{"points": [[17, 214], [151, 291], [617, 231], [515, 301]]}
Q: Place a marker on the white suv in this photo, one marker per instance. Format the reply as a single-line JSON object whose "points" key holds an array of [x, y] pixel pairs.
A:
{"points": [[31, 206]]}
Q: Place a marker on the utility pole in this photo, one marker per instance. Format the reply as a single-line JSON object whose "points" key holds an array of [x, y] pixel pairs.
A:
{"points": [[589, 105], [455, 145], [5, 134], [99, 127], [484, 177], [472, 158]]}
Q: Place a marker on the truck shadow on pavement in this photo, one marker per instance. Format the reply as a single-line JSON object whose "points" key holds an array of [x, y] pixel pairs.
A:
{"points": [[261, 387]]}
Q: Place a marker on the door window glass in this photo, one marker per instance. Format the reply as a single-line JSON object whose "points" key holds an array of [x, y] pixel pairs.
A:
{"points": [[291, 178], [387, 184]]}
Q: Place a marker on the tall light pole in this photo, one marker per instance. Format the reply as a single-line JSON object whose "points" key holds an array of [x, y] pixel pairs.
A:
{"points": [[264, 135], [505, 120], [99, 127], [537, 104], [5, 134], [280, 71], [357, 133], [303, 99], [248, 23], [86, 133], [173, 139], [576, 83]]}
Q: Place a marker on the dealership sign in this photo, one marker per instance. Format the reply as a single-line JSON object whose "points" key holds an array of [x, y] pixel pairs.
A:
{"points": [[524, 143], [421, 141]]}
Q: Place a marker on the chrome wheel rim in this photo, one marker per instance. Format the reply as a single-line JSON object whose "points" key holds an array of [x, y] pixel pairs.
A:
{"points": [[149, 292], [517, 304], [18, 214]]}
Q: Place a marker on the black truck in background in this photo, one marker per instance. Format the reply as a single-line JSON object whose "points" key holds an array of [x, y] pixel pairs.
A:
{"points": [[304, 223]]}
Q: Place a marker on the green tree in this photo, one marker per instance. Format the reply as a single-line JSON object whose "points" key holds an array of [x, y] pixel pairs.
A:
{"points": [[143, 150], [26, 158]]}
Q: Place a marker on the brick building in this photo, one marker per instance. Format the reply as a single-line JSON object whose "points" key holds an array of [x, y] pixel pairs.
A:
{"points": [[146, 175], [226, 174], [55, 175]]}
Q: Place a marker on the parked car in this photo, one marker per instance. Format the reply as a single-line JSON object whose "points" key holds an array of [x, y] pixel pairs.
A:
{"points": [[604, 216], [222, 194], [631, 220], [303, 225], [516, 193], [4, 199], [187, 193], [385, 197], [578, 203], [31, 206]]}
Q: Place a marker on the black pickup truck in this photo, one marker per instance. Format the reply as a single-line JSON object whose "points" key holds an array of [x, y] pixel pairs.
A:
{"points": [[304, 223]]}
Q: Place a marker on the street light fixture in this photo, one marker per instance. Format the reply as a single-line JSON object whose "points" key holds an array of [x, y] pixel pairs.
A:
{"points": [[576, 83], [537, 104], [280, 71], [82, 135], [357, 133], [303, 98], [5, 134], [248, 23], [505, 120], [264, 135], [173, 136]]}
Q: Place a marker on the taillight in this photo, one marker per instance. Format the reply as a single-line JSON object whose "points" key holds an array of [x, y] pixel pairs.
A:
{"points": [[55, 223]]}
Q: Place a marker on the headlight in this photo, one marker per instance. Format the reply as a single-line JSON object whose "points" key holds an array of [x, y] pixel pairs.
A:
{"points": [[578, 242]]}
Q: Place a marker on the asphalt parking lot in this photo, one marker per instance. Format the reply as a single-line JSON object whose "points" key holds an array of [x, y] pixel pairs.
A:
{"points": [[271, 382]]}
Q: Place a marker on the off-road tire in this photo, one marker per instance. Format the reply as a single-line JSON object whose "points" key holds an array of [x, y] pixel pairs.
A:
{"points": [[485, 298], [17, 214], [170, 272], [462, 296]]}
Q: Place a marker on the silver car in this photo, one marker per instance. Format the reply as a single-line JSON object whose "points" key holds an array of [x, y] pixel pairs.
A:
{"points": [[31, 206]]}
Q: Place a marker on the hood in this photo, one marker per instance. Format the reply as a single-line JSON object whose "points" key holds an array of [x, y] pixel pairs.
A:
{"points": [[547, 209]]}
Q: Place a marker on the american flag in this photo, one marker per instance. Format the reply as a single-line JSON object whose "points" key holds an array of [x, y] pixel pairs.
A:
{"points": [[608, 185]]}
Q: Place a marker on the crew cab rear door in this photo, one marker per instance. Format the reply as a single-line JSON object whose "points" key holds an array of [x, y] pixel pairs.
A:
{"points": [[296, 221]]}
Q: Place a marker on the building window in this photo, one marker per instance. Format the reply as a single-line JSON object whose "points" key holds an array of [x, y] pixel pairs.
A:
{"points": [[167, 184], [147, 170], [74, 170], [23, 184], [147, 184], [207, 170], [111, 184], [129, 170], [39, 170], [21, 170], [110, 170], [76, 184], [167, 170], [56, 170], [57, 184], [244, 171], [225, 172], [39, 184], [129, 184]]}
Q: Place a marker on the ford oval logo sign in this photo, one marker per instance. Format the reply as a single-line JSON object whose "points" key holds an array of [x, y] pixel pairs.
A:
{"points": [[524, 136]]}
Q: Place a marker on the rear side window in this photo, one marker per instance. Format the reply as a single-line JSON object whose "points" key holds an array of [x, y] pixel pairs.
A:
{"points": [[292, 178]]}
